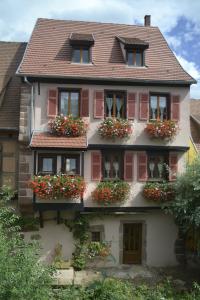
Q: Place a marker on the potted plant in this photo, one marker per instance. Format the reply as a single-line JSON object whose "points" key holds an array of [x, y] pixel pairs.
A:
{"points": [[166, 129], [158, 191], [111, 192], [67, 126], [112, 128], [58, 186]]}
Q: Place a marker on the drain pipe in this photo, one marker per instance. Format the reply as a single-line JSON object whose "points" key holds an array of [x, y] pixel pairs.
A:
{"points": [[32, 114]]}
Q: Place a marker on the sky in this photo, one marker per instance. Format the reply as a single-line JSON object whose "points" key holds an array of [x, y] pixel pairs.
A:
{"points": [[178, 20]]}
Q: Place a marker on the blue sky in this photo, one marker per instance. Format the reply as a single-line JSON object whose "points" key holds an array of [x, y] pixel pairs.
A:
{"points": [[179, 21]]}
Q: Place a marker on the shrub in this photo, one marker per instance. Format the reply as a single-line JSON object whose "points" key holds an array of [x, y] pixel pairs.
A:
{"points": [[162, 129], [58, 186], [111, 191], [67, 126], [112, 128], [159, 192]]}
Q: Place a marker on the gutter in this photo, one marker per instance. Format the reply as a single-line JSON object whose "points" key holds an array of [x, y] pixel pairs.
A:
{"points": [[32, 114]]}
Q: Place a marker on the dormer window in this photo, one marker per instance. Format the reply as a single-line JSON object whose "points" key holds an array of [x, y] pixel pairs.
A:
{"points": [[81, 47], [135, 57]]}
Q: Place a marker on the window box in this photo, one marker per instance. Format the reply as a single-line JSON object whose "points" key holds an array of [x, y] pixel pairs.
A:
{"points": [[112, 128], [58, 187], [158, 191], [68, 126], [162, 129], [111, 192]]}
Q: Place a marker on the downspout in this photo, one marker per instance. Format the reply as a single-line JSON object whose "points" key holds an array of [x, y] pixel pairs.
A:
{"points": [[32, 114]]}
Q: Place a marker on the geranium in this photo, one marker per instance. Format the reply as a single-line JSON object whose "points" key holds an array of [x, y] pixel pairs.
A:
{"points": [[111, 191], [67, 126], [162, 129], [158, 191], [58, 186], [115, 128]]}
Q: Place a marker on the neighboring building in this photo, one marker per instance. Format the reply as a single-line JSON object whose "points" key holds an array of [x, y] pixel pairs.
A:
{"points": [[195, 128], [95, 70], [10, 56]]}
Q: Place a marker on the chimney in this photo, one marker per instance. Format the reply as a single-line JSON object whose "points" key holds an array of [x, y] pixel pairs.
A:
{"points": [[147, 20]]}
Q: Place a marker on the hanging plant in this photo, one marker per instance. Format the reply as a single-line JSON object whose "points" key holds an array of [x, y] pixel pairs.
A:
{"points": [[162, 129], [67, 126], [112, 128], [58, 186], [110, 192], [158, 192]]}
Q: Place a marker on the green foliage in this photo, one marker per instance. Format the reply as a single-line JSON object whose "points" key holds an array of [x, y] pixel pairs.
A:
{"points": [[6, 194], [159, 191]]}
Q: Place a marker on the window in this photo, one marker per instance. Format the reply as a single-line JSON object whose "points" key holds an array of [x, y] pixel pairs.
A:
{"points": [[47, 164], [158, 166], [115, 104], [97, 233], [81, 55], [112, 165], [96, 236], [135, 57], [69, 103], [71, 164], [159, 107]]}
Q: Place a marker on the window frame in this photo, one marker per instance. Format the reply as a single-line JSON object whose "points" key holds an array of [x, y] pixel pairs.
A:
{"points": [[168, 106], [121, 163], [60, 90], [134, 51], [63, 162], [41, 156], [124, 93], [97, 228], [155, 153], [81, 48]]}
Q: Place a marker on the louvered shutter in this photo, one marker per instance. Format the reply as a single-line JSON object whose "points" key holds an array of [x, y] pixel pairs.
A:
{"points": [[98, 104], [144, 106], [84, 105], [128, 166], [175, 107], [142, 166], [96, 165], [52, 106], [131, 106], [173, 166]]}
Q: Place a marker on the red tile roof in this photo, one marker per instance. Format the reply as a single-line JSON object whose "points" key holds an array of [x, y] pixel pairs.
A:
{"points": [[49, 53], [47, 140]]}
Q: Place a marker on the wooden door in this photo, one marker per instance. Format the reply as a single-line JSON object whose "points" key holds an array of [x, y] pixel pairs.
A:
{"points": [[132, 243]]}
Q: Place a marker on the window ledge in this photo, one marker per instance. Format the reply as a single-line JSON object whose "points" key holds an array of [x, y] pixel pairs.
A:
{"points": [[82, 64], [137, 67]]}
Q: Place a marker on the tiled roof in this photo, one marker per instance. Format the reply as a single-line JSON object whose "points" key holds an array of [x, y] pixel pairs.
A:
{"points": [[81, 37], [49, 53], [11, 54], [47, 140], [132, 41]]}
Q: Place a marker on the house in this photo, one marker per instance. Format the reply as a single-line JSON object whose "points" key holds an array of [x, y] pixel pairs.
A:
{"points": [[195, 124], [11, 54], [98, 71]]}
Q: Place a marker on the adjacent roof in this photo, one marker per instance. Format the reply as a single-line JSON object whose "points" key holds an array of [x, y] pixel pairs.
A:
{"points": [[11, 54], [49, 53], [47, 140]]}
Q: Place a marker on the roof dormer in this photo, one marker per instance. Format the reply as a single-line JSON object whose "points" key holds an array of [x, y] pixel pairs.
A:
{"points": [[81, 47]]}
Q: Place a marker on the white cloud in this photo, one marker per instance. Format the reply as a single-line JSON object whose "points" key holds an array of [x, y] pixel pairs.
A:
{"points": [[173, 41]]}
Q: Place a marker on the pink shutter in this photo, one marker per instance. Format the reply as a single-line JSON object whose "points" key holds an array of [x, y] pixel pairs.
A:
{"points": [[144, 106], [96, 165], [131, 104], [84, 105], [175, 107], [128, 166], [142, 166], [98, 104], [173, 166], [52, 106]]}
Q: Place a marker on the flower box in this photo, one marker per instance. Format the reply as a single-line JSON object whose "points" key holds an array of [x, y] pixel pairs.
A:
{"points": [[112, 128], [58, 186], [111, 192], [162, 129], [67, 126], [158, 192]]}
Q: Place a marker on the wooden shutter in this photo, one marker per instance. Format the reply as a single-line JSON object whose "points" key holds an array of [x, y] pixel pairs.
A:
{"points": [[98, 104], [144, 106], [128, 166], [175, 107], [142, 166], [131, 104], [52, 106], [96, 165], [84, 105], [173, 166]]}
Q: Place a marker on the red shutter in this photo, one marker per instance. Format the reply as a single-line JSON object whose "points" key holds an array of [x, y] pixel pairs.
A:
{"points": [[52, 106], [96, 165], [84, 107], [175, 107], [131, 104], [173, 166], [144, 106], [128, 166], [142, 166], [98, 104]]}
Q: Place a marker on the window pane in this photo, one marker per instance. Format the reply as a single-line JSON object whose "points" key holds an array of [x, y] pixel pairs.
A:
{"points": [[47, 165], [70, 166], [112, 166], [138, 58], [157, 166], [64, 100], [153, 107], [130, 58], [163, 108], [85, 56], [74, 104], [76, 56], [119, 106], [96, 236]]}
